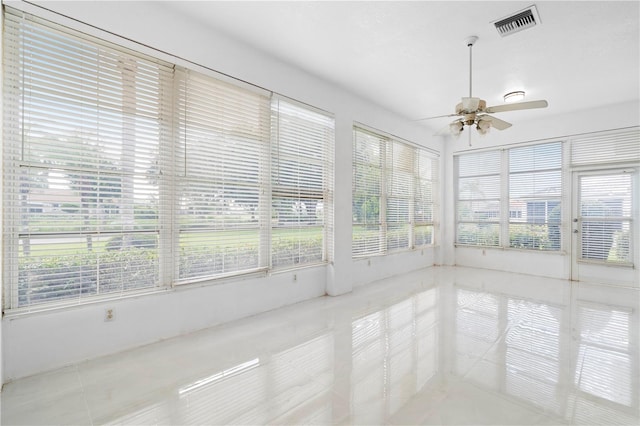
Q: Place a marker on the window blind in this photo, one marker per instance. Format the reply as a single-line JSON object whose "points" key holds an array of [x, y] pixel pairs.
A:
{"points": [[478, 203], [399, 173], [535, 189], [301, 184], [368, 218], [621, 146], [393, 194], [605, 217], [221, 173], [83, 128], [425, 189]]}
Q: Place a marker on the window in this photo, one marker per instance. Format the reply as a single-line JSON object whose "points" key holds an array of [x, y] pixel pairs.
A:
{"points": [[535, 187], [478, 203], [426, 178], [126, 173], [222, 144], [605, 217], [528, 212], [301, 174], [81, 177], [393, 201]]}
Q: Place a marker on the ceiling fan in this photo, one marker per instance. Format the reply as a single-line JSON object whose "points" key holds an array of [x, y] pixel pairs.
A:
{"points": [[474, 111]]}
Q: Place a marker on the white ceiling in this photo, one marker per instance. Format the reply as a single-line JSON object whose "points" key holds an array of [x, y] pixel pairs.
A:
{"points": [[411, 57]]}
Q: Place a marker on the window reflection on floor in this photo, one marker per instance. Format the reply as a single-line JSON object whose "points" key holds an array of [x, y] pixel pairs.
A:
{"points": [[605, 390], [532, 356], [524, 349], [394, 356], [292, 382], [477, 327]]}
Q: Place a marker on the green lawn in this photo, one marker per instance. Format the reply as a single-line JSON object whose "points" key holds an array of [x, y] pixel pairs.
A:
{"points": [[213, 240]]}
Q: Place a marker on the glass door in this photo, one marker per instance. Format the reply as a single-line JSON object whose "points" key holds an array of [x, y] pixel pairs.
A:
{"points": [[605, 212]]}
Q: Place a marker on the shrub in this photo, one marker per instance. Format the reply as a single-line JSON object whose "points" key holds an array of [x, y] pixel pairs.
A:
{"points": [[76, 275]]}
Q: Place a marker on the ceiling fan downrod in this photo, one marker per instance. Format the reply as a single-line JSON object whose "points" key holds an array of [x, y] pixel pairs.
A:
{"points": [[470, 42]]}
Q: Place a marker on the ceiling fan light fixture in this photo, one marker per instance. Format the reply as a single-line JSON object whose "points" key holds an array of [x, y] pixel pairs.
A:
{"points": [[456, 128], [483, 126], [516, 96]]}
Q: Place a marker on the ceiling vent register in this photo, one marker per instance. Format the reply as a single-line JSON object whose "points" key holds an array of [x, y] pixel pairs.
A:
{"points": [[519, 21]]}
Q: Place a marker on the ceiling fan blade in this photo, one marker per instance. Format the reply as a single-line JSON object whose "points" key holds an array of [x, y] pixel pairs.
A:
{"points": [[496, 123], [437, 116], [517, 106]]}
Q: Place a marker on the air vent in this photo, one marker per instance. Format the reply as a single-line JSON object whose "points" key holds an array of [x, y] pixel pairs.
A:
{"points": [[517, 22]]}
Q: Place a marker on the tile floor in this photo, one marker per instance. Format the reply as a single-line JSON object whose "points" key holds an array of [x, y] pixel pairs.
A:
{"points": [[438, 346]]}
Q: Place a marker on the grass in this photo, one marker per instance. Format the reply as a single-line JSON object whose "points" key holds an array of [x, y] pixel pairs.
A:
{"points": [[212, 240]]}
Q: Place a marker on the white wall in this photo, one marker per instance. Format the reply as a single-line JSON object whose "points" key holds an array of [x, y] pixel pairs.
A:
{"points": [[42, 341]]}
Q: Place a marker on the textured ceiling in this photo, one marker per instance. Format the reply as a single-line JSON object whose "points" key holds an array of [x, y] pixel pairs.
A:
{"points": [[411, 58]]}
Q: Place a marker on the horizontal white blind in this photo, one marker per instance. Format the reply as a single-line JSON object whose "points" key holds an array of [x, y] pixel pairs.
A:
{"points": [[605, 218], [535, 189], [84, 122], [301, 182], [222, 173], [393, 194], [399, 193], [612, 147], [368, 162], [478, 204], [426, 184]]}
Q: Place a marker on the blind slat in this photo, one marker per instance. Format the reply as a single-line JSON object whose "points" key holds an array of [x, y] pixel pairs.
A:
{"points": [[611, 147]]}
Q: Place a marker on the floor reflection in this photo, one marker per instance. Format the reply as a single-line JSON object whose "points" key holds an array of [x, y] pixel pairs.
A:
{"points": [[573, 359], [395, 353], [442, 346]]}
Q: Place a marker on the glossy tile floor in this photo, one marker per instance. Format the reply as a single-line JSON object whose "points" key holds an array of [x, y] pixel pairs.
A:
{"points": [[438, 346]]}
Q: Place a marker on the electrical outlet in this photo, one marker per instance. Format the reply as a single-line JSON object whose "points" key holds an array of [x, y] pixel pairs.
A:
{"points": [[295, 277], [109, 314]]}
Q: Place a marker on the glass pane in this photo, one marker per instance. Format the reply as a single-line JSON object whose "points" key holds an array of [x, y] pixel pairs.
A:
{"points": [[479, 188], [296, 246], [480, 234], [423, 235], [366, 209], [74, 267], [530, 236], [607, 241], [367, 239], [605, 217], [397, 236], [210, 253], [479, 211]]}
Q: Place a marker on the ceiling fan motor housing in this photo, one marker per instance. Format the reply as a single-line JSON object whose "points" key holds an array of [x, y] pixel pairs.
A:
{"points": [[470, 105]]}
